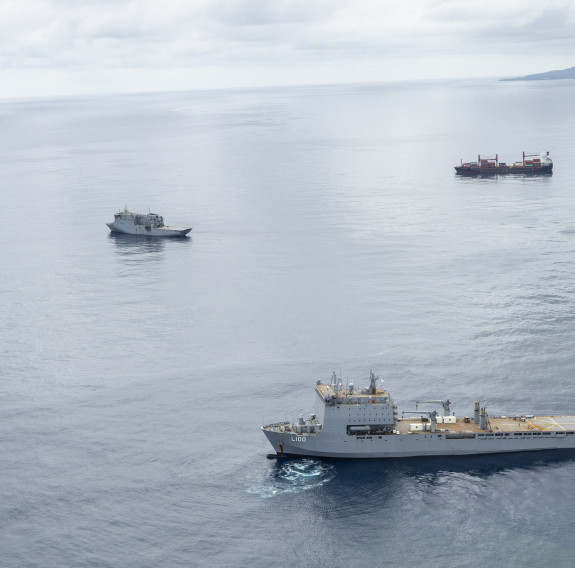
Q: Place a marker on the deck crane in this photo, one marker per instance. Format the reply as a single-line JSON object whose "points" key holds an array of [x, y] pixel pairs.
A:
{"points": [[432, 417], [444, 403]]}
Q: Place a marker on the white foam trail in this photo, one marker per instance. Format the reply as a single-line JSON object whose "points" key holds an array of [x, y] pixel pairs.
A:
{"points": [[293, 476]]}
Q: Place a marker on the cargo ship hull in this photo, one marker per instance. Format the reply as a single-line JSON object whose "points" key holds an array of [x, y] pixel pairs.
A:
{"points": [[503, 170], [531, 164]]}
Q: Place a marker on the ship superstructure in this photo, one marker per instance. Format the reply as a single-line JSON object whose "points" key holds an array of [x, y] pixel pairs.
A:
{"points": [[364, 423], [150, 224]]}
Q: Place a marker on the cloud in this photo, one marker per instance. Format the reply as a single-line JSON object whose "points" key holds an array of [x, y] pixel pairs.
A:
{"points": [[285, 34], [271, 13], [511, 23]]}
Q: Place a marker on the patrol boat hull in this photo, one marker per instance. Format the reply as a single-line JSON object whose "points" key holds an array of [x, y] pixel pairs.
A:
{"points": [[150, 224], [364, 424]]}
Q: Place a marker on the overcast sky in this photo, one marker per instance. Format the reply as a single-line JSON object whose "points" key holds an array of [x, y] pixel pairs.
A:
{"points": [[52, 47]]}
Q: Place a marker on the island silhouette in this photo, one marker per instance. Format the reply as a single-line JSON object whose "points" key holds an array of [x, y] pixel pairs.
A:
{"points": [[548, 75]]}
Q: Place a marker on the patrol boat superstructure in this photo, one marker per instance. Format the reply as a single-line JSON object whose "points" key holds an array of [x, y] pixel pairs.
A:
{"points": [[364, 423], [150, 224]]}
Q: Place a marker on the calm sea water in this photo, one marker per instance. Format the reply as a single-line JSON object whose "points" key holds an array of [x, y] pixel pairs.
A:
{"points": [[329, 233]]}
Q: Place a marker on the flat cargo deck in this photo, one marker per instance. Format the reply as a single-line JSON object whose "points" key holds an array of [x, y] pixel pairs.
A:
{"points": [[496, 424]]}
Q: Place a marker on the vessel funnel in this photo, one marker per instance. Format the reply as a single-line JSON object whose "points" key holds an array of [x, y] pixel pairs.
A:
{"points": [[482, 419]]}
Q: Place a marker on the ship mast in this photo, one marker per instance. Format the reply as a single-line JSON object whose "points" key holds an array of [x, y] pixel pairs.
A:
{"points": [[373, 378], [334, 383]]}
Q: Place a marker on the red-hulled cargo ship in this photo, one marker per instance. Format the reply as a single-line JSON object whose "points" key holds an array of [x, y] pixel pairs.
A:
{"points": [[535, 164]]}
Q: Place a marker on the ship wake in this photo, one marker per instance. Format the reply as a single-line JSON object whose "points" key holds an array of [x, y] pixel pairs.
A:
{"points": [[293, 476]]}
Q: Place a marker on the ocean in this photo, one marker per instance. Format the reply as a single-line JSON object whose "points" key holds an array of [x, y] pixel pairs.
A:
{"points": [[330, 233]]}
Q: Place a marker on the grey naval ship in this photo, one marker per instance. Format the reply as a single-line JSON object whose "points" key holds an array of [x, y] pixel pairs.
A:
{"points": [[150, 224], [364, 423]]}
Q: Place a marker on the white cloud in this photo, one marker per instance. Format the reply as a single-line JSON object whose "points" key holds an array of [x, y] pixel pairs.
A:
{"points": [[266, 13], [292, 36]]}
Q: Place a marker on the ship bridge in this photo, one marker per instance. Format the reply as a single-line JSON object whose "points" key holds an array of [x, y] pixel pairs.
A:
{"points": [[333, 394]]}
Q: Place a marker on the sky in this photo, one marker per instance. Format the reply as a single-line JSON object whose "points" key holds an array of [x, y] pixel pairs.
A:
{"points": [[68, 47]]}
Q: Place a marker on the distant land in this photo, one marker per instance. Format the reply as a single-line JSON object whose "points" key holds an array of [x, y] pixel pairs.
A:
{"points": [[549, 75]]}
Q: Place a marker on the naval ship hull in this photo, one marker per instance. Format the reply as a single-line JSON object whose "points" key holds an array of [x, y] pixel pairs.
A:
{"points": [[364, 423], [150, 232], [146, 224], [414, 445]]}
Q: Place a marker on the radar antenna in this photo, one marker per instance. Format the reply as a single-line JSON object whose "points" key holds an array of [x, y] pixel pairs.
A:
{"points": [[373, 378]]}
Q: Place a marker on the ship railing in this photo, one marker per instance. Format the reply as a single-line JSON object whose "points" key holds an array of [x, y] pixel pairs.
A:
{"points": [[278, 425]]}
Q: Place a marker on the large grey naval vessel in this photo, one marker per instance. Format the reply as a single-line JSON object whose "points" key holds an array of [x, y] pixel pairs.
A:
{"points": [[364, 423]]}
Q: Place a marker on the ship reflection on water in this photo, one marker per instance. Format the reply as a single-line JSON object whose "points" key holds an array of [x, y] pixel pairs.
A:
{"points": [[431, 468], [418, 507], [347, 479], [142, 248]]}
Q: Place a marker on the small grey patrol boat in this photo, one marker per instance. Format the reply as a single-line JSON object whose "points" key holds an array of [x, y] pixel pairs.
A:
{"points": [[150, 224]]}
